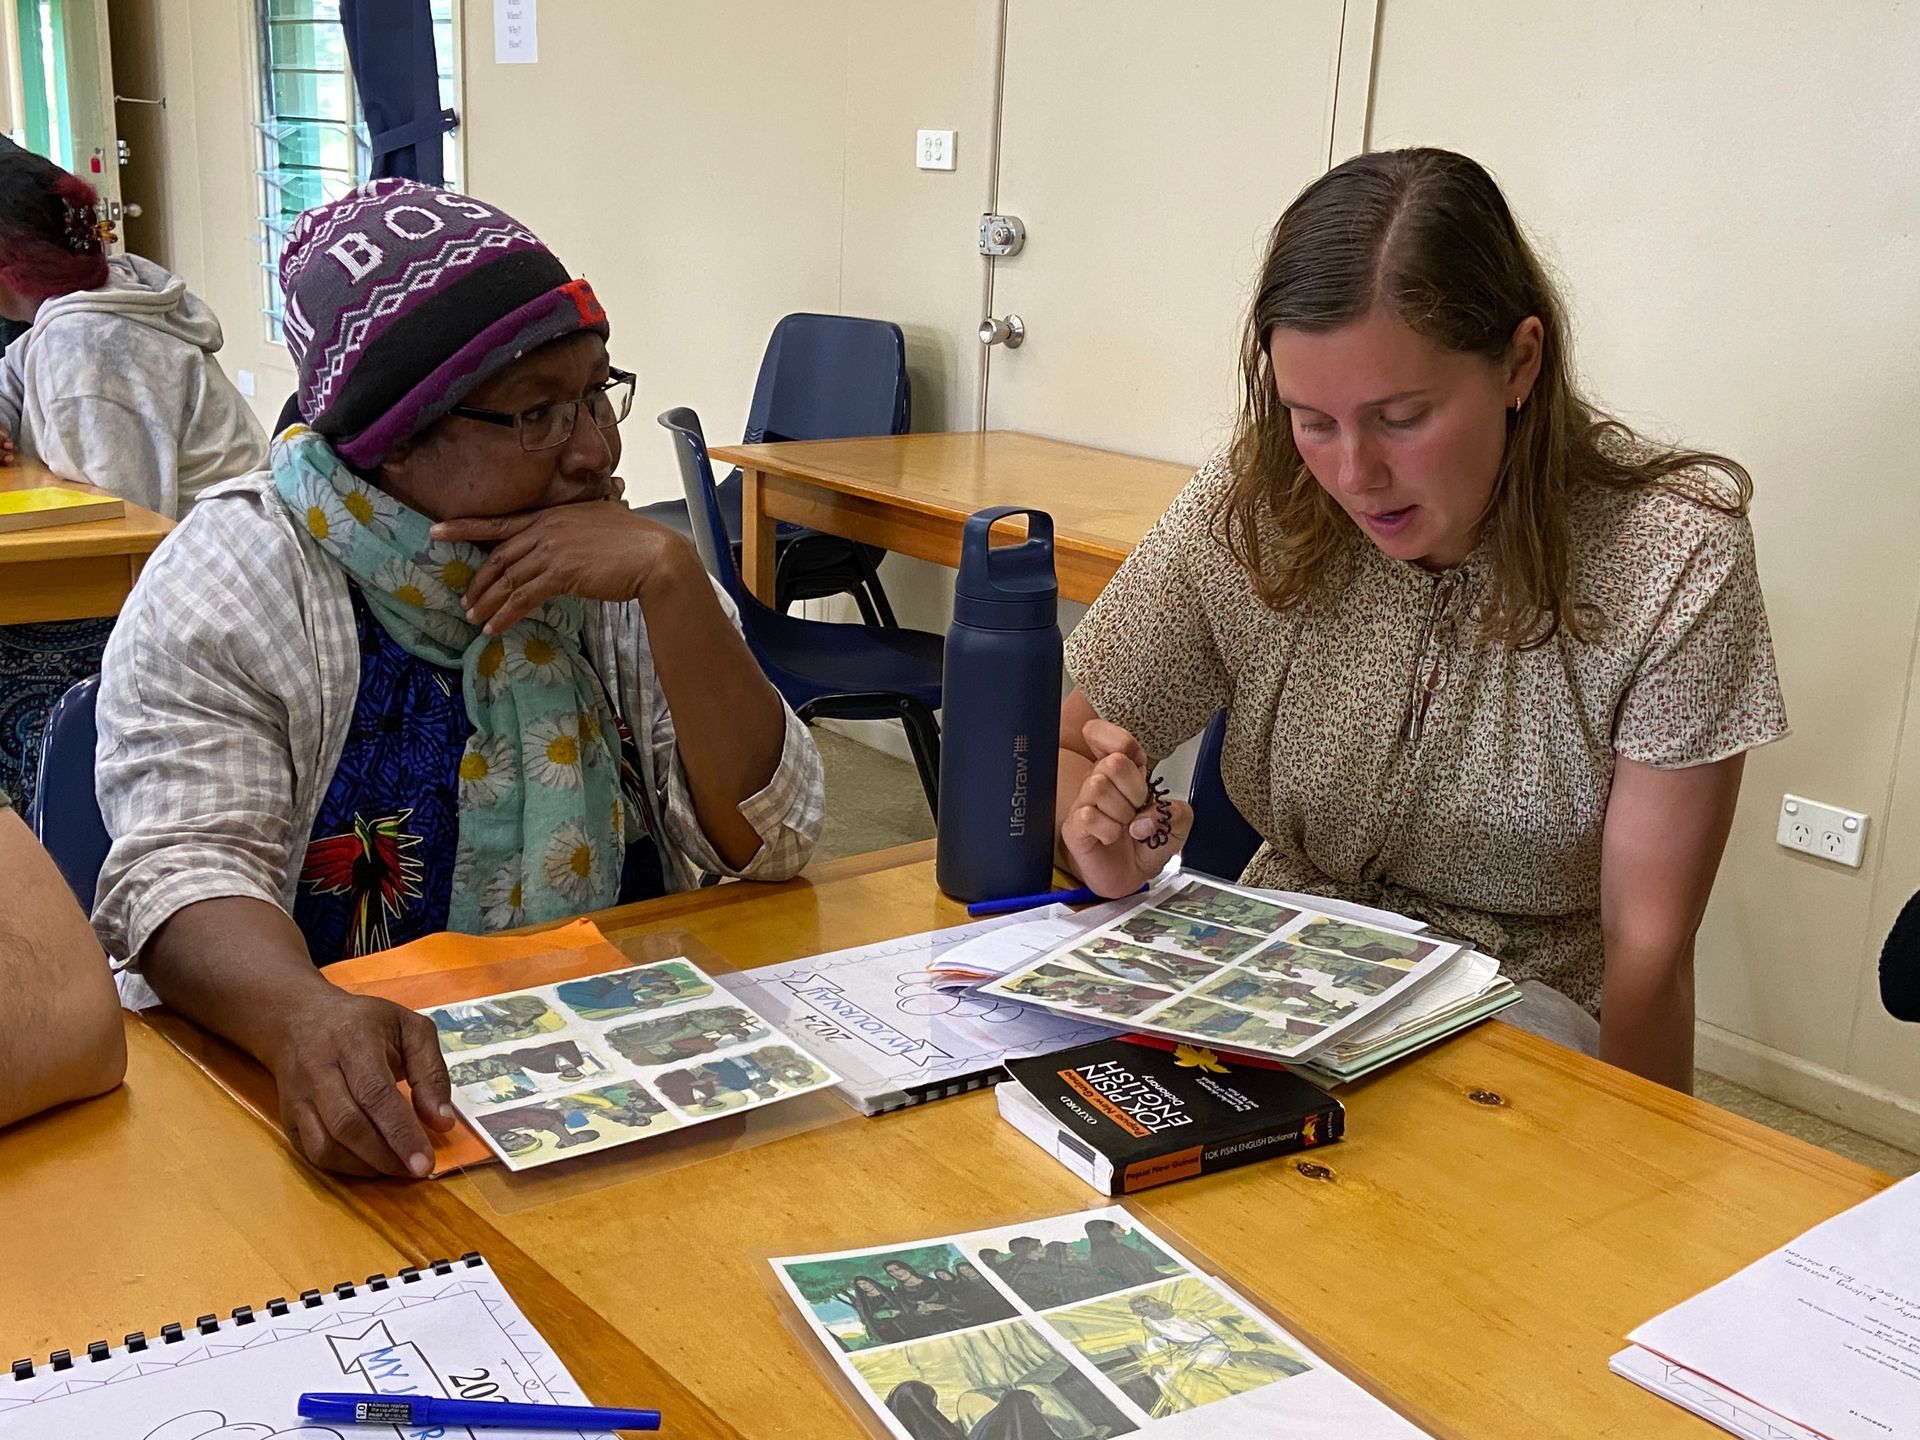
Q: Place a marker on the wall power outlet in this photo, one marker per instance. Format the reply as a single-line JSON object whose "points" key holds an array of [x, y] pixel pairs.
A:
{"points": [[1823, 830]]}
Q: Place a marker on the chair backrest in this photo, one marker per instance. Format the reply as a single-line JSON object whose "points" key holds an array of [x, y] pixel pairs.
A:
{"points": [[1222, 841], [829, 377], [1900, 965], [64, 813], [703, 504]]}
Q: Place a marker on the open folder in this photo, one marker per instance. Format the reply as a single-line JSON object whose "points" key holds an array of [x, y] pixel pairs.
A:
{"points": [[434, 970]]}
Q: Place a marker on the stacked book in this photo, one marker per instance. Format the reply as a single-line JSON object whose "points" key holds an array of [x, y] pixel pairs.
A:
{"points": [[1127, 1114], [40, 506]]}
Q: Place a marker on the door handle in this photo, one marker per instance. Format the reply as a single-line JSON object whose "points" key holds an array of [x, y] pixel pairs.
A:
{"points": [[1008, 332]]}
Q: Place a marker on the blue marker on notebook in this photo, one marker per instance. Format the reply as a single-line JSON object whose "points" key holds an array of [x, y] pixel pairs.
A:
{"points": [[430, 1410], [1079, 896]]}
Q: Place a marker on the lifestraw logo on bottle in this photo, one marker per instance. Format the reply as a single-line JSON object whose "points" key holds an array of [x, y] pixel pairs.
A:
{"points": [[1017, 820]]}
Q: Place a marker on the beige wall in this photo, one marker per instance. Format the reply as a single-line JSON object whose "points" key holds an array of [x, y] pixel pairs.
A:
{"points": [[207, 194], [710, 168], [685, 161], [1730, 205]]}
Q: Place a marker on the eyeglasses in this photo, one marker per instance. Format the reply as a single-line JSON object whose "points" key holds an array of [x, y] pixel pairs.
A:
{"points": [[546, 427]]}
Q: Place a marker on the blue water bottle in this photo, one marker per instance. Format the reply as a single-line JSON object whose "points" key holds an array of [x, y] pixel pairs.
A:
{"points": [[1000, 714]]}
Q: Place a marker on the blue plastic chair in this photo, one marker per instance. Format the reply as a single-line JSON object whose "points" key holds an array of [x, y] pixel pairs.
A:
{"points": [[823, 377], [64, 813], [1221, 842], [824, 670]]}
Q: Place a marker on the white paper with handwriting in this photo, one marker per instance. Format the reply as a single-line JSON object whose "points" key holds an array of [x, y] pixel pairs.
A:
{"points": [[1824, 1332]]}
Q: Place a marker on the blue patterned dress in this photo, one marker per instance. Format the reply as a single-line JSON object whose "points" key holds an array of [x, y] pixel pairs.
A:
{"points": [[38, 664]]}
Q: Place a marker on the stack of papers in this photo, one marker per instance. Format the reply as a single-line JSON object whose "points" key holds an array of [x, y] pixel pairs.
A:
{"points": [[551, 1072], [1818, 1341], [1469, 990], [1333, 989]]}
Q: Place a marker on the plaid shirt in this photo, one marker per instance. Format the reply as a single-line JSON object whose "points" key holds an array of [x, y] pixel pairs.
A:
{"points": [[229, 685]]}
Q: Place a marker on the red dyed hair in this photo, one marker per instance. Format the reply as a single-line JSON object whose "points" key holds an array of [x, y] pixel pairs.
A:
{"points": [[48, 242]]}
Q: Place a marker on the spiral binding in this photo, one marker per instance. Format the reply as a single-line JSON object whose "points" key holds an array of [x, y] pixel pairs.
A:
{"points": [[137, 1341], [940, 1090]]}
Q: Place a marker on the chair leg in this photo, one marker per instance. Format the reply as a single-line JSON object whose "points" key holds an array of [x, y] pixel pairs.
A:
{"points": [[923, 739], [923, 730], [870, 586], [782, 583]]}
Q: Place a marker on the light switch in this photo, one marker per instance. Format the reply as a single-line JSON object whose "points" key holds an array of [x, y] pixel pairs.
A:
{"points": [[933, 150]]}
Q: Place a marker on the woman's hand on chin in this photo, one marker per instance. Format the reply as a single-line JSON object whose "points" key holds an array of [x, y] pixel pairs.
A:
{"points": [[592, 550]]}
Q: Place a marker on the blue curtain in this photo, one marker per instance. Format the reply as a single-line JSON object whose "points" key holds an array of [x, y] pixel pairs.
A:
{"points": [[390, 47]]}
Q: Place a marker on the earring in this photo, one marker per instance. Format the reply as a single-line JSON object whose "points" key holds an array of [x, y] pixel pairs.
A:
{"points": [[1518, 401]]}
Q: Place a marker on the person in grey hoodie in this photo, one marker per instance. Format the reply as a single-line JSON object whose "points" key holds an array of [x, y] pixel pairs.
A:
{"points": [[114, 383]]}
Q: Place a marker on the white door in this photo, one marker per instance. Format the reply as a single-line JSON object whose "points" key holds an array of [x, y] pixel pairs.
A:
{"points": [[60, 88], [1148, 149]]}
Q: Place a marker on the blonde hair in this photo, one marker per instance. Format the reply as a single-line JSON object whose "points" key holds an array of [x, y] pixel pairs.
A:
{"points": [[1426, 234]]}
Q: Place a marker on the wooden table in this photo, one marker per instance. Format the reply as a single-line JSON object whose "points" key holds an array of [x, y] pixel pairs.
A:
{"points": [[164, 1201], [1475, 1259], [71, 572], [913, 493], [1502, 1214]]}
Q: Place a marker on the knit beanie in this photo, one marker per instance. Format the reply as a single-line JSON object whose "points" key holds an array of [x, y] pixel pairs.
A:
{"points": [[49, 234], [402, 299]]}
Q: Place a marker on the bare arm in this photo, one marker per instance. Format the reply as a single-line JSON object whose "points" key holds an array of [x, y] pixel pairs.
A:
{"points": [[62, 1040], [728, 720], [1664, 833], [240, 967]]}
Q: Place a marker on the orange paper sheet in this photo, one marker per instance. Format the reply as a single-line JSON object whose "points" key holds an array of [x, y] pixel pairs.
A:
{"points": [[435, 970]]}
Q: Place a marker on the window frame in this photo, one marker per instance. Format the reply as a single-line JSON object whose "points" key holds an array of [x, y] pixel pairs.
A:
{"points": [[274, 175]]}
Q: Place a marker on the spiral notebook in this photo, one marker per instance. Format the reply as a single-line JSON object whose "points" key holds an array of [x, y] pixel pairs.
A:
{"points": [[876, 1015], [450, 1329]]}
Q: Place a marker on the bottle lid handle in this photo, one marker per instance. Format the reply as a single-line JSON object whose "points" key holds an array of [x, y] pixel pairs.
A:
{"points": [[977, 552]]}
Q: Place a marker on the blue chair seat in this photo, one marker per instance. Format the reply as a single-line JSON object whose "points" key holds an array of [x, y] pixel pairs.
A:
{"points": [[64, 814], [810, 659]]}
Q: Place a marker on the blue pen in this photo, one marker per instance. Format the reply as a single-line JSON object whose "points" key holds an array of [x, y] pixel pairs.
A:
{"points": [[430, 1410], [1080, 896]]}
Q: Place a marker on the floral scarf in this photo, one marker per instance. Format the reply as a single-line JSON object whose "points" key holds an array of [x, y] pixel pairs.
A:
{"points": [[542, 827]]}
